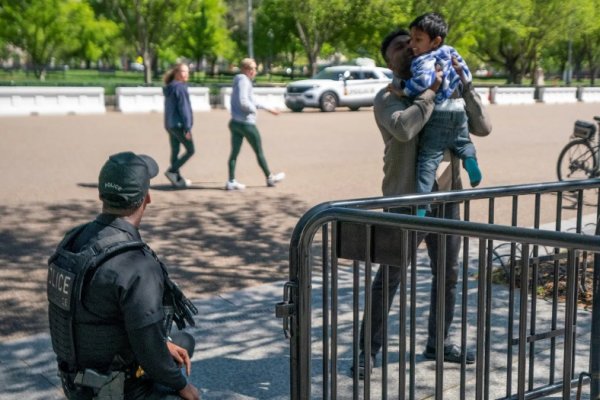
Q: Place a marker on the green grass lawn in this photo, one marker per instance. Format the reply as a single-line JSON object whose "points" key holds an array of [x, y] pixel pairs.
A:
{"points": [[109, 80], [113, 79]]}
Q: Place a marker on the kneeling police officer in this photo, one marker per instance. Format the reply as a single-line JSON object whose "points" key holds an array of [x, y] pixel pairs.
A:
{"points": [[110, 297]]}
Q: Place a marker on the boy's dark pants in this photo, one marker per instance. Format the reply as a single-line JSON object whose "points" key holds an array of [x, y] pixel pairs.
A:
{"points": [[444, 130]]}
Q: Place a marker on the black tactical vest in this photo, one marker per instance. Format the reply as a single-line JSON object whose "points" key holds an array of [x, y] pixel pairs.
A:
{"points": [[68, 272]]}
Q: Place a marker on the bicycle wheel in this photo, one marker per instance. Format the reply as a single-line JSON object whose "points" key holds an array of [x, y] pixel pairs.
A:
{"points": [[576, 161]]}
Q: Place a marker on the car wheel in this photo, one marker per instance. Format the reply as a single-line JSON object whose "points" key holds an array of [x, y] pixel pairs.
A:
{"points": [[296, 108], [328, 102], [353, 108]]}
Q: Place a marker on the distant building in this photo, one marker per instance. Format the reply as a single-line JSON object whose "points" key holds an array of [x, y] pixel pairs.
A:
{"points": [[12, 57]]}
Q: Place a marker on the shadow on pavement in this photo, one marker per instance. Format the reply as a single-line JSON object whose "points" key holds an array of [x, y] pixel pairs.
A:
{"points": [[210, 246]]}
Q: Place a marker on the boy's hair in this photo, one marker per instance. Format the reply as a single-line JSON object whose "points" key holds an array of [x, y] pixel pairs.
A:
{"points": [[432, 24], [388, 39]]}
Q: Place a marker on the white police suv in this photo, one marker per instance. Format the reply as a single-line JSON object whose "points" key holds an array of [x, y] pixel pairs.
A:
{"points": [[349, 86]]}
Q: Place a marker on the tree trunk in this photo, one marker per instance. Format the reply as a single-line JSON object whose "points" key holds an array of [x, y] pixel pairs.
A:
{"points": [[213, 64], [147, 67], [312, 49], [313, 65], [154, 62], [593, 66], [513, 72], [39, 72], [533, 73], [293, 63], [198, 61]]}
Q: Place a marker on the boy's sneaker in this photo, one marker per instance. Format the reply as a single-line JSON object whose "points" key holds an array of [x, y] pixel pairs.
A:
{"points": [[274, 178], [473, 170], [234, 185]]}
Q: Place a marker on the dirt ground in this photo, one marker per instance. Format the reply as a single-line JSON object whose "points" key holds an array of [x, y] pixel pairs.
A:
{"points": [[217, 241]]}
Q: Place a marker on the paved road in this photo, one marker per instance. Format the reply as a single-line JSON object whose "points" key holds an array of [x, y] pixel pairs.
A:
{"points": [[326, 156], [217, 241]]}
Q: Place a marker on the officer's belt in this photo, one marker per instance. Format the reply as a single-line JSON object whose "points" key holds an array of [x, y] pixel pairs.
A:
{"points": [[104, 387], [93, 379]]}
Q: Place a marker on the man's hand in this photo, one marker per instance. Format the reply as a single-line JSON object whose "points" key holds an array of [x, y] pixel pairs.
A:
{"points": [[189, 392], [188, 135], [439, 76], [181, 357], [274, 111]]}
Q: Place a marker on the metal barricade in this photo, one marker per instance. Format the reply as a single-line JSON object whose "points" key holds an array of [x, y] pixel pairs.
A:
{"points": [[526, 347]]}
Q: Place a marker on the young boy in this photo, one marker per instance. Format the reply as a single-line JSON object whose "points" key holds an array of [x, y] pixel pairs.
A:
{"points": [[448, 127]]}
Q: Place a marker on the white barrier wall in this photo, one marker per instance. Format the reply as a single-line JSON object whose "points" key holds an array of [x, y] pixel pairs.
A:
{"points": [[484, 93], [151, 99], [589, 94], [24, 100], [553, 95], [512, 95], [270, 97], [139, 99], [200, 98]]}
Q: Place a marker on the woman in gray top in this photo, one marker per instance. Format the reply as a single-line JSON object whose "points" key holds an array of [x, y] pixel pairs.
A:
{"points": [[243, 125], [178, 121]]}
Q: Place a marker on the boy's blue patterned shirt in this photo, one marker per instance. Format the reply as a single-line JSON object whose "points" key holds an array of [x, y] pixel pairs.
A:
{"points": [[423, 73]]}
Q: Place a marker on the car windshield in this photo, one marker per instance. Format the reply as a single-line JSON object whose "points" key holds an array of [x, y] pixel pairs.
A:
{"points": [[333, 74]]}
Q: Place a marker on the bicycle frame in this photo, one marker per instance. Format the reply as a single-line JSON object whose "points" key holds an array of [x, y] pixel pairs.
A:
{"points": [[584, 134]]}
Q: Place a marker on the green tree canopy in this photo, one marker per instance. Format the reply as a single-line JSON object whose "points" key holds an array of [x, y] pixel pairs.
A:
{"points": [[371, 21], [203, 32], [98, 38], [45, 29], [318, 22], [515, 36], [516, 31], [584, 31], [275, 33], [146, 24]]}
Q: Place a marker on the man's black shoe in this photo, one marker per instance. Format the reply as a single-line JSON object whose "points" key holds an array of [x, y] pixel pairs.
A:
{"points": [[452, 354], [361, 365]]}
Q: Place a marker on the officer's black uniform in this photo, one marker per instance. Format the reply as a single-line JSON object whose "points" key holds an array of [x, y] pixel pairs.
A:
{"points": [[120, 325], [125, 318]]}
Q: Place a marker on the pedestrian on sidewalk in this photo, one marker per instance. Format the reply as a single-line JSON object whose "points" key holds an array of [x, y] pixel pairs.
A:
{"points": [[179, 120], [110, 299], [400, 119], [243, 125]]}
